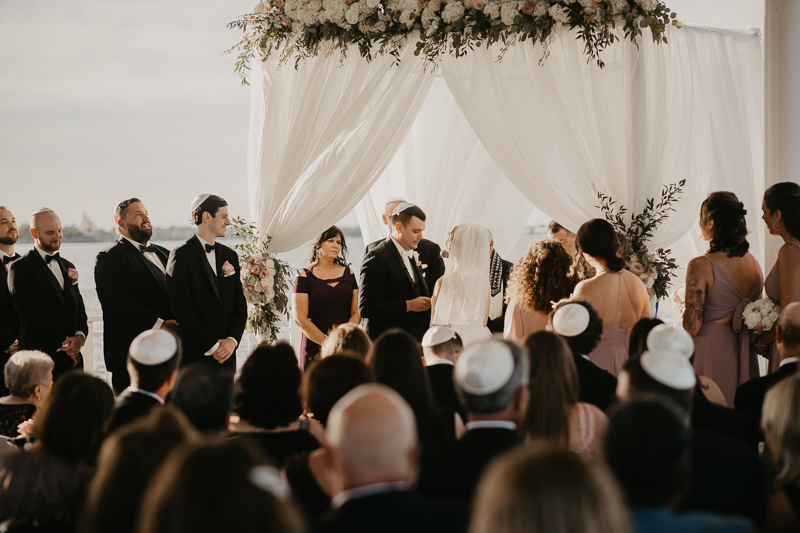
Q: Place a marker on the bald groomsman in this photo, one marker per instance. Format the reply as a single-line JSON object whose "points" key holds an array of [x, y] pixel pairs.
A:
{"points": [[9, 318], [44, 289], [131, 280]]}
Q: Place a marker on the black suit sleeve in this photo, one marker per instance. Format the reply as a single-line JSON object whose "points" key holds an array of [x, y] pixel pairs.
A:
{"points": [[7, 335], [239, 311], [24, 292], [116, 296], [182, 301], [371, 303]]}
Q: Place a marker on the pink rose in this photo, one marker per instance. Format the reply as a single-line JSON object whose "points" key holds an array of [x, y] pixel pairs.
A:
{"points": [[227, 269], [477, 5], [263, 274], [528, 9], [73, 275], [248, 288], [636, 267], [26, 428], [350, 1], [279, 4], [245, 273], [423, 4], [287, 23]]}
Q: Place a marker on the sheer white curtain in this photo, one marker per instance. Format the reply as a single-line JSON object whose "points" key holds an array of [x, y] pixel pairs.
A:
{"points": [[563, 130], [322, 134], [444, 168]]}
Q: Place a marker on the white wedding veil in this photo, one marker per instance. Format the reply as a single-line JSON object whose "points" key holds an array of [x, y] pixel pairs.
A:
{"points": [[464, 296]]}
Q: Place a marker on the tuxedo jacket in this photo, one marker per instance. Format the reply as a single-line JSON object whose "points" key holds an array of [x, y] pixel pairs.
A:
{"points": [[750, 395], [131, 406], [725, 421], [9, 317], [597, 386], [48, 314], [444, 389], [430, 257], [208, 307], [133, 294], [497, 325], [385, 287]]}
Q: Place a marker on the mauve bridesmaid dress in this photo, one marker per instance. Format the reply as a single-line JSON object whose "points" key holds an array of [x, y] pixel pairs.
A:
{"points": [[773, 290]]}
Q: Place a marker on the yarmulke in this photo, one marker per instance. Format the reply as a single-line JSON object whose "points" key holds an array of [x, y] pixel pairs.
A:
{"points": [[669, 368], [666, 337], [437, 335], [484, 367], [198, 201], [153, 347], [402, 207], [394, 199], [570, 320]]}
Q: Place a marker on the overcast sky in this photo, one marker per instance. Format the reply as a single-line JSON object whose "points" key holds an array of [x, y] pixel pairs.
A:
{"points": [[101, 101]]}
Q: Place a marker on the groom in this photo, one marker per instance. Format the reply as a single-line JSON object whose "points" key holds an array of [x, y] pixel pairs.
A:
{"points": [[393, 291]]}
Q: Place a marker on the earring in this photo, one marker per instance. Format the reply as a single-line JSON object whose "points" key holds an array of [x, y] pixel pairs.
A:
{"points": [[774, 228]]}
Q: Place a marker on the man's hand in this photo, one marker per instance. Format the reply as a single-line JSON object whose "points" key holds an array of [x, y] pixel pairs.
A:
{"points": [[170, 325], [225, 350], [419, 304], [14, 348], [72, 347]]}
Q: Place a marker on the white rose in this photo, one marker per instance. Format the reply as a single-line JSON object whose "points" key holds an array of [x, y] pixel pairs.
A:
{"points": [[260, 8], [541, 8], [752, 320], [767, 323], [408, 17], [352, 15], [508, 12], [372, 4], [648, 5], [559, 14]]}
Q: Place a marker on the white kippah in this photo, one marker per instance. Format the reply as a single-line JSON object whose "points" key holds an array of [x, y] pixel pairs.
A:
{"points": [[437, 335], [198, 200], [669, 368], [394, 199], [666, 337], [402, 207], [570, 320], [42, 210], [484, 367], [153, 347]]}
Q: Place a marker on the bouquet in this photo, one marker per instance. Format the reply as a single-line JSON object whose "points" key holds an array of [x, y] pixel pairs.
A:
{"points": [[761, 315], [679, 297], [258, 278]]}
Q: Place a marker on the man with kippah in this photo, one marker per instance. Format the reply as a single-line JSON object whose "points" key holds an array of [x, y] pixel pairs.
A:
{"points": [[442, 346]]}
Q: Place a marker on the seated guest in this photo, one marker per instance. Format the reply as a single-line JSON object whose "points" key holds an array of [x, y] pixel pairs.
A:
{"points": [[647, 448], [205, 396], [396, 361], [346, 338], [637, 344], [492, 378], [29, 378], [442, 346], [580, 325], [726, 474], [218, 486], [554, 412], [371, 451], [542, 489], [44, 486], [153, 360], [267, 405], [750, 395], [781, 423], [128, 461], [542, 276]]}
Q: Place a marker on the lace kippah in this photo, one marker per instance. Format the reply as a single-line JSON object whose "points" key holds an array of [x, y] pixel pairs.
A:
{"points": [[153, 347], [402, 207], [484, 367], [669, 368], [198, 201], [664, 337]]}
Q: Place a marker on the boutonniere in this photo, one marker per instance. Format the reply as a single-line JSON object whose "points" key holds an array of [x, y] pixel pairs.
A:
{"points": [[227, 269], [415, 255], [73, 275]]}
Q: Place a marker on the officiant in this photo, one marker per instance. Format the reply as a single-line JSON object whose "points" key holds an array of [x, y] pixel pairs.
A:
{"points": [[499, 269]]}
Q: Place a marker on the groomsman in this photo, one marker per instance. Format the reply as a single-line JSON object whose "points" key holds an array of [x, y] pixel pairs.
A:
{"points": [[44, 289], [131, 280], [9, 318], [205, 289]]}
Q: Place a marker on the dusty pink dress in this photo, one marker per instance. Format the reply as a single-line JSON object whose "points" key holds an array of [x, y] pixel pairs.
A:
{"points": [[520, 323], [722, 352], [773, 289], [612, 350]]}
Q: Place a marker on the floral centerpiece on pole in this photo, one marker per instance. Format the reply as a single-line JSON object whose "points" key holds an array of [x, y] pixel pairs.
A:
{"points": [[265, 280], [654, 268]]}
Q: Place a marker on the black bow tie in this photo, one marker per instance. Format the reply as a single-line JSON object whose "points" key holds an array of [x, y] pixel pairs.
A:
{"points": [[49, 258], [210, 248], [150, 248], [7, 259]]}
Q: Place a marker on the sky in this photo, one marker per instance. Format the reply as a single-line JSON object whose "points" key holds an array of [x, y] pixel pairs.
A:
{"points": [[101, 101]]}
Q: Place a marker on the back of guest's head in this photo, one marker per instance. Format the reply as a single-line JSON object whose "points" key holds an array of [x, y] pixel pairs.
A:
{"points": [[729, 233], [127, 462], [268, 388], [225, 486], [581, 330], [785, 197], [638, 341], [598, 239], [547, 489], [553, 386], [346, 337], [489, 374], [780, 420], [204, 393], [789, 326], [153, 357], [647, 448], [328, 379], [542, 276], [25, 370], [441, 342], [406, 214], [72, 421], [639, 381]]}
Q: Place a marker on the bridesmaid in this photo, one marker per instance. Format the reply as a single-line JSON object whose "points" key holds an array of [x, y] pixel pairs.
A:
{"points": [[719, 284], [781, 214], [325, 293], [619, 296]]}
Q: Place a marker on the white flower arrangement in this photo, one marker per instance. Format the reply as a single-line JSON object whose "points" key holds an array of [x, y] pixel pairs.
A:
{"points": [[679, 297], [761, 315], [306, 28]]}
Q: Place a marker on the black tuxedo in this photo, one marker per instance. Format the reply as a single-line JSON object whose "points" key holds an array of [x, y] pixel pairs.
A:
{"points": [[394, 512], [133, 293], [597, 386], [430, 257], [444, 389], [131, 406], [750, 395], [498, 324], [713, 417], [48, 314], [9, 317], [385, 287], [454, 473], [207, 307]]}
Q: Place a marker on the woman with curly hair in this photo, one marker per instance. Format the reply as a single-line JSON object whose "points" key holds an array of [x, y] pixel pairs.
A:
{"points": [[542, 276]]}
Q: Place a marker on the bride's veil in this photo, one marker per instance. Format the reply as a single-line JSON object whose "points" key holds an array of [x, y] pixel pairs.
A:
{"points": [[464, 296]]}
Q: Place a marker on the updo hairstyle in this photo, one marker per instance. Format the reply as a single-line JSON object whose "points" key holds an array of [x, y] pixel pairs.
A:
{"points": [[729, 233], [598, 239], [785, 197]]}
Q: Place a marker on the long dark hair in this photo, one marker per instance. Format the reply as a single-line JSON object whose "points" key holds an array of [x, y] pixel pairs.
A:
{"points": [[330, 233], [598, 239], [729, 233], [785, 197]]}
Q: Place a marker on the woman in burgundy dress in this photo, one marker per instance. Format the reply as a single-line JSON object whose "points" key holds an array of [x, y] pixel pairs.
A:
{"points": [[325, 293]]}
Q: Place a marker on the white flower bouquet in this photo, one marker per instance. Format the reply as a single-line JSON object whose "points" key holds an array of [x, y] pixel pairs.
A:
{"points": [[761, 315], [678, 297]]}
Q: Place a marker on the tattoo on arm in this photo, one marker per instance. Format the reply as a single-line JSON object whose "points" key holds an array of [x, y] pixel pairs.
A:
{"points": [[695, 300]]}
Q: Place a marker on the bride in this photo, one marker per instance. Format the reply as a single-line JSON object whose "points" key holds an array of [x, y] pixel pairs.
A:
{"points": [[461, 297]]}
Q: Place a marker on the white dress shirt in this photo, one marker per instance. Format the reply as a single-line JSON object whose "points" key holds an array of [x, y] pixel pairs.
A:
{"points": [[210, 256], [147, 393], [405, 255], [483, 424], [367, 490], [153, 258], [788, 360], [438, 361]]}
